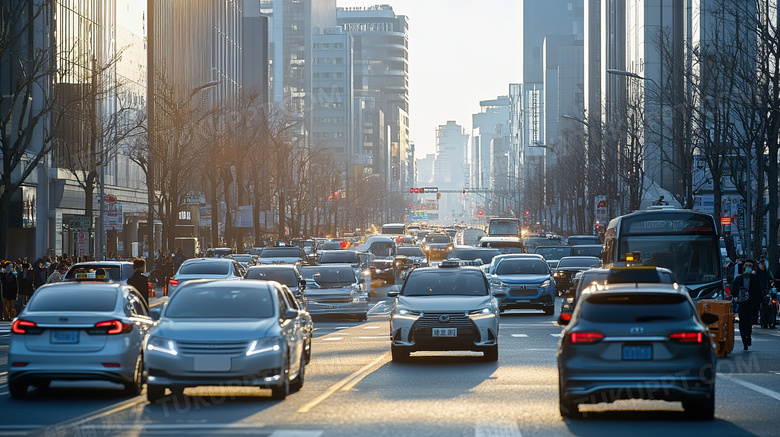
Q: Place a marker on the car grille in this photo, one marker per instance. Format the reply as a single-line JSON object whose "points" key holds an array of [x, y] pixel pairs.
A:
{"points": [[518, 292], [331, 300], [422, 330], [215, 348]]}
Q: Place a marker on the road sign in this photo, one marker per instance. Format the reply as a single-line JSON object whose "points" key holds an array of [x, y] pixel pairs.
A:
{"points": [[80, 223]]}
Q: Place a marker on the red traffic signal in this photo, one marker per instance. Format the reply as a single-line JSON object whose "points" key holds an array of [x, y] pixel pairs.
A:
{"points": [[527, 212], [417, 190], [464, 191]]}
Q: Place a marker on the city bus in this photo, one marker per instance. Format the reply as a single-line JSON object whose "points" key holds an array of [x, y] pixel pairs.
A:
{"points": [[504, 227], [685, 242]]}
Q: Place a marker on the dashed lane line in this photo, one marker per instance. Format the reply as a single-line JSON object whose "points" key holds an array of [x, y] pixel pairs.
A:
{"points": [[361, 373], [520, 335], [333, 339], [764, 391]]}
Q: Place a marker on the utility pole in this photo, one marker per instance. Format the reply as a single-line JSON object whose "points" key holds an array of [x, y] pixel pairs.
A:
{"points": [[150, 130]]}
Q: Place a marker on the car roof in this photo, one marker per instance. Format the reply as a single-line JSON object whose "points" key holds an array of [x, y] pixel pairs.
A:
{"points": [[102, 263], [582, 257], [271, 266], [654, 288], [79, 284], [495, 238], [210, 260], [220, 283]]}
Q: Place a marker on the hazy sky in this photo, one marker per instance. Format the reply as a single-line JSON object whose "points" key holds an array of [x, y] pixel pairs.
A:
{"points": [[460, 52]]}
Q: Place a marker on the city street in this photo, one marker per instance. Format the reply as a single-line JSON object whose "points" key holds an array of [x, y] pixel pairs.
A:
{"points": [[353, 389]]}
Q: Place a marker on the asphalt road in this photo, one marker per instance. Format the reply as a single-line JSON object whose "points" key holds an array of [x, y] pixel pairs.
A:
{"points": [[353, 389]]}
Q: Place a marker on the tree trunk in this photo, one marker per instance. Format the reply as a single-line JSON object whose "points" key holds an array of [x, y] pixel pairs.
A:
{"points": [[214, 179], [5, 203]]}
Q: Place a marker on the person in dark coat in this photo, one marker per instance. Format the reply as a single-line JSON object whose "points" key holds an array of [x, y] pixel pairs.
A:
{"points": [[25, 280], [10, 290], [39, 273], [178, 259], [139, 280], [748, 308]]}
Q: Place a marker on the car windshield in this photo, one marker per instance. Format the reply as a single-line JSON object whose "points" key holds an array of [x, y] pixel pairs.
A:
{"points": [[583, 239], [410, 251], [636, 308], [503, 228], [113, 272], [553, 252], [204, 268], [441, 282], [692, 258], [324, 275], [341, 256], [382, 248], [437, 239], [282, 276], [522, 267], [586, 251], [242, 258], [579, 262], [204, 302], [330, 245], [60, 299], [281, 252]]}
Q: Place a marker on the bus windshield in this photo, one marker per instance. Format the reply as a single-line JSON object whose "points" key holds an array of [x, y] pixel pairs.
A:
{"points": [[504, 227], [690, 257]]}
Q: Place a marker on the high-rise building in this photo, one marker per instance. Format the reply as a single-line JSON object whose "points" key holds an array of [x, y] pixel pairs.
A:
{"points": [[450, 171], [489, 156], [382, 74]]}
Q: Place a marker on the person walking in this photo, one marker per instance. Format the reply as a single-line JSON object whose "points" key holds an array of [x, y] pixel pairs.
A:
{"points": [[178, 259], [167, 272], [25, 281], [10, 290], [39, 273], [59, 272], [746, 293], [139, 280]]}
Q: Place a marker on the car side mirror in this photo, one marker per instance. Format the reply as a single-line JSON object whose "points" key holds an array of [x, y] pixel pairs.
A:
{"points": [[155, 312], [564, 318], [302, 284], [392, 293], [290, 314], [709, 318]]}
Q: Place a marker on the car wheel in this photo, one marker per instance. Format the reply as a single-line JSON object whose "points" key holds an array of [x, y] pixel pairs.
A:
{"points": [[491, 354], [773, 318], [548, 311], [568, 409], [18, 390], [297, 383], [701, 410], [280, 392], [399, 354], [136, 386], [154, 392], [308, 351]]}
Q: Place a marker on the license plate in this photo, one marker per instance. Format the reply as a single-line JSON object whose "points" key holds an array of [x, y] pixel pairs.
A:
{"points": [[637, 353], [445, 332], [332, 307], [212, 364], [64, 336]]}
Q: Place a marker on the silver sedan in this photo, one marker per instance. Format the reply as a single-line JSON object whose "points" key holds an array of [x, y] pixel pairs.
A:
{"points": [[79, 331], [227, 333]]}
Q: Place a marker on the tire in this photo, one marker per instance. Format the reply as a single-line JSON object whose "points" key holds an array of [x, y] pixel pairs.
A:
{"points": [[701, 410], [308, 352], [399, 354], [154, 392], [549, 311], [568, 409], [280, 392], [297, 384], [491, 354], [773, 317], [18, 390], [136, 386]]}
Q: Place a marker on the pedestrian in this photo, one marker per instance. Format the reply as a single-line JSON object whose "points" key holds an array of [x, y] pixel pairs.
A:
{"points": [[167, 272], [59, 272], [39, 273], [10, 290], [139, 280], [25, 281], [178, 259], [746, 292]]}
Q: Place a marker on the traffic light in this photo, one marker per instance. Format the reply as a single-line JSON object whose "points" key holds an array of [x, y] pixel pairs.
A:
{"points": [[438, 196], [464, 191], [527, 212]]}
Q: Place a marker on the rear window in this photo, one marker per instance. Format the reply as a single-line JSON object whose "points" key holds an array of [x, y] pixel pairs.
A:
{"points": [[522, 267], [204, 268], [343, 256], [237, 303], [437, 238], [553, 252], [584, 239], [439, 283], [284, 252], [62, 299], [410, 251], [282, 276], [114, 272], [579, 262], [638, 308], [586, 251], [486, 255]]}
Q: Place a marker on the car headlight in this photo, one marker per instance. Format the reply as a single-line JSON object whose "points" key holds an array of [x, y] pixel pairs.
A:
{"points": [[545, 284], [450, 248], [163, 345], [262, 346], [499, 286], [407, 313], [482, 313]]}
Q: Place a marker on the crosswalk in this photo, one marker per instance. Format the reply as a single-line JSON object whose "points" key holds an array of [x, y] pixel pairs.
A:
{"points": [[5, 328]]}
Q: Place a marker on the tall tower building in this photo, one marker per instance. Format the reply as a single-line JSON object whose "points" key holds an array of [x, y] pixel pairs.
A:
{"points": [[382, 74]]}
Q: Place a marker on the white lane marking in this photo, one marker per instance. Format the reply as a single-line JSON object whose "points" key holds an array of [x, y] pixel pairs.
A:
{"points": [[376, 305], [372, 327], [335, 387], [384, 337], [556, 335], [520, 335], [540, 349], [506, 429], [341, 327], [754, 387], [295, 433], [333, 339]]}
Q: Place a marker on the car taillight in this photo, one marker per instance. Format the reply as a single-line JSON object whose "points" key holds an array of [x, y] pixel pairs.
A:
{"points": [[566, 316], [687, 337], [22, 326], [111, 327], [173, 282], [585, 337]]}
